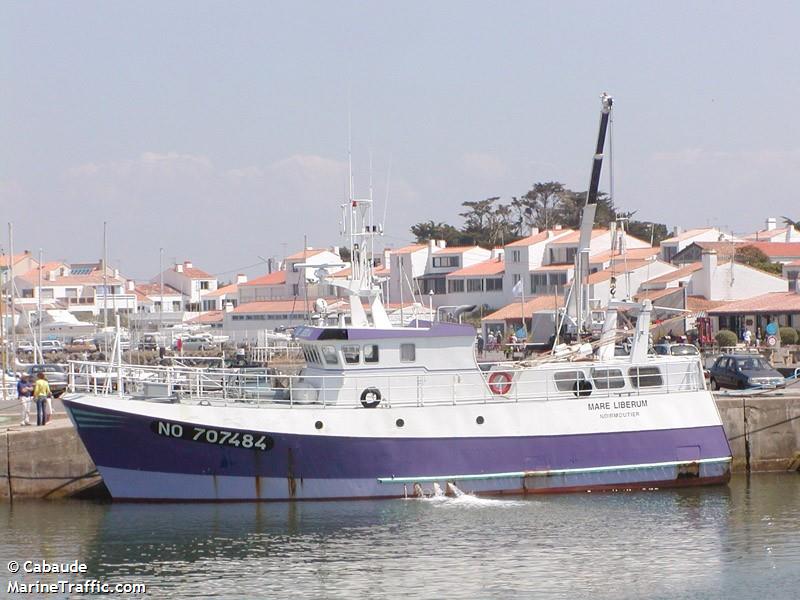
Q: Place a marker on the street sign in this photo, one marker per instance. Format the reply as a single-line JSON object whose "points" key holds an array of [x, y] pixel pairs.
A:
{"points": [[771, 328], [771, 339]]}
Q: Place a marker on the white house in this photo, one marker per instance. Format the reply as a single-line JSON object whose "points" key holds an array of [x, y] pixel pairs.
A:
{"points": [[229, 294], [190, 281], [681, 239]]}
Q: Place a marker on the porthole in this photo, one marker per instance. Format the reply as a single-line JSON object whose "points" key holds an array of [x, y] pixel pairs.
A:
{"points": [[399, 422], [479, 420], [318, 424]]}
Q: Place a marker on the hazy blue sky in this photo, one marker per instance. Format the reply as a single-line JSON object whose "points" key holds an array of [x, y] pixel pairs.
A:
{"points": [[218, 130]]}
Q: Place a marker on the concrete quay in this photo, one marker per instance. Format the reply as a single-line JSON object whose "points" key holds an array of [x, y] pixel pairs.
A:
{"points": [[46, 462], [51, 462]]}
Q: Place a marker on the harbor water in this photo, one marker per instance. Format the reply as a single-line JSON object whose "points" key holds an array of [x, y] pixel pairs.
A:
{"points": [[736, 541]]}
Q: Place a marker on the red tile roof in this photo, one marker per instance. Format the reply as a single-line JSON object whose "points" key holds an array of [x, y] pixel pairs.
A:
{"points": [[767, 234], [679, 274], [618, 270], [274, 278], [409, 249], [228, 289], [701, 304], [574, 236], [307, 253], [195, 273], [561, 267], [6, 260], [212, 316], [774, 302], [537, 238], [630, 253], [515, 310], [689, 233], [153, 289], [487, 267], [778, 249]]}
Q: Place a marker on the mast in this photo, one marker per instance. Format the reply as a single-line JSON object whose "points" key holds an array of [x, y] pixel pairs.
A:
{"points": [[38, 345], [13, 295], [581, 296]]}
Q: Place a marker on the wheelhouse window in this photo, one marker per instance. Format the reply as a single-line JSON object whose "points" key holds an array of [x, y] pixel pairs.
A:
{"points": [[645, 377], [370, 353], [329, 353], [572, 381], [352, 354], [408, 352], [608, 379]]}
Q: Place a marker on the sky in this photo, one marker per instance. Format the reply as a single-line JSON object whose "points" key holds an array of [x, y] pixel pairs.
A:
{"points": [[218, 131]]}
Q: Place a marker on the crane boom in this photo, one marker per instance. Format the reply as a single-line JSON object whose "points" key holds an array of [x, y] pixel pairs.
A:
{"points": [[580, 295]]}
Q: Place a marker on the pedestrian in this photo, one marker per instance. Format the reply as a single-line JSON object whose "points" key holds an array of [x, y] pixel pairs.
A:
{"points": [[25, 393], [480, 345], [490, 341], [747, 337], [41, 392]]}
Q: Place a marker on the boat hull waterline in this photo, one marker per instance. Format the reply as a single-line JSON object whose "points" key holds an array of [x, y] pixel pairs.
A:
{"points": [[157, 454]]}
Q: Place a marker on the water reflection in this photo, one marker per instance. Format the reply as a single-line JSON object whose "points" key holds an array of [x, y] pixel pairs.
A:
{"points": [[693, 543]]}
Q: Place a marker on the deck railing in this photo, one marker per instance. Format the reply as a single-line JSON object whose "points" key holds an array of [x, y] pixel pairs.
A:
{"points": [[505, 382]]}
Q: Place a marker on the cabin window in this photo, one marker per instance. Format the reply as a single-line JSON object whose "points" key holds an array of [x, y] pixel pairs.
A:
{"points": [[572, 381], [408, 352], [352, 354], [645, 377], [370, 353], [608, 379], [329, 352]]}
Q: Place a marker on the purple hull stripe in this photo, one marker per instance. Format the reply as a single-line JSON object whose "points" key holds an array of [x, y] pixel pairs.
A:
{"points": [[126, 441]]}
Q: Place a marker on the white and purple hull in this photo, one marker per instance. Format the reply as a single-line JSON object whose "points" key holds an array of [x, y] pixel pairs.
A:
{"points": [[154, 451]]}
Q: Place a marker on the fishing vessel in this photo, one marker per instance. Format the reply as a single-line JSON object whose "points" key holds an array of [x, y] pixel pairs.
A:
{"points": [[384, 411]]}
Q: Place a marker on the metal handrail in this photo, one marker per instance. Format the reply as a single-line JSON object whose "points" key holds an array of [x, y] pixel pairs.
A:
{"points": [[242, 387]]}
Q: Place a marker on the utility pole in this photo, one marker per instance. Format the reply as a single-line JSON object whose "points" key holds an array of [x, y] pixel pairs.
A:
{"points": [[3, 336], [161, 289]]}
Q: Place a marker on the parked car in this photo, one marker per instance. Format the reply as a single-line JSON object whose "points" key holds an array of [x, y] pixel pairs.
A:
{"points": [[193, 343], [676, 349], [24, 346], [740, 371], [51, 346], [151, 341], [56, 376]]}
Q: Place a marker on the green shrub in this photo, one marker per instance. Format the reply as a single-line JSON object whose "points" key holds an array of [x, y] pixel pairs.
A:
{"points": [[726, 337], [788, 336]]}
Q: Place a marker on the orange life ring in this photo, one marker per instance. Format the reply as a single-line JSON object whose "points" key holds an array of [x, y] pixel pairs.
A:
{"points": [[500, 383]]}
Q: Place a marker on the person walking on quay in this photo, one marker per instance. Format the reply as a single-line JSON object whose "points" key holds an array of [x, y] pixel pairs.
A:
{"points": [[480, 345], [41, 392], [25, 393], [747, 337]]}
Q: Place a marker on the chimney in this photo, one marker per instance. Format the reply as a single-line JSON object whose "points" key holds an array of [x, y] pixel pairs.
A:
{"points": [[178, 268], [431, 245], [241, 278], [387, 256], [534, 230], [497, 254], [228, 307], [187, 264], [116, 273], [441, 244], [131, 284], [709, 262], [676, 231], [772, 223], [557, 227], [335, 250]]}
